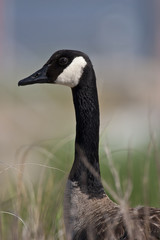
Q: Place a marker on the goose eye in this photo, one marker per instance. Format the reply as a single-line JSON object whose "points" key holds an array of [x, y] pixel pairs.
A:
{"points": [[63, 61]]}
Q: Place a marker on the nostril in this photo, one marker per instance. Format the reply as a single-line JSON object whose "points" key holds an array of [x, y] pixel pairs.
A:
{"points": [[36, 75]]}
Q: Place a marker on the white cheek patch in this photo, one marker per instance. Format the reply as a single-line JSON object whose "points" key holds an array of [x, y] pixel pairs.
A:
{"points": [[72, 74]]}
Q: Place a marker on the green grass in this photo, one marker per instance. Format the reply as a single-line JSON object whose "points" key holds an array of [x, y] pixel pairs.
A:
{"points": [[37, 204]]}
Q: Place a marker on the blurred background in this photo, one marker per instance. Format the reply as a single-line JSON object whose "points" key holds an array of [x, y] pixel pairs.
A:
{"points": [[122, 38]]}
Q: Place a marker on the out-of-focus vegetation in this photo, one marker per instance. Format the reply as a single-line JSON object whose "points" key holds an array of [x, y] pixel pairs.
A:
{"points": [[36, 157], [32, 205]]}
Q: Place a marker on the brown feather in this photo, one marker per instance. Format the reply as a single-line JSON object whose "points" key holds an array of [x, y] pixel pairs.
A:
{"points": [[102, 219]]}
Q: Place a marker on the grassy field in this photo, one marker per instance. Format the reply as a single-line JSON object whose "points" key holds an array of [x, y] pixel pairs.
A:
{"points": [[33, 179], [33, 208]]}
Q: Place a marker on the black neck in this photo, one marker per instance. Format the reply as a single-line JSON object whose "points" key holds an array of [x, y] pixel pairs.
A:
{"points": [[85, 169]]}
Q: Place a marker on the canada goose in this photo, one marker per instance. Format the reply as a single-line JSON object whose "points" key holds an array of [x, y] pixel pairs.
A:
{"points": [[88, 211]]}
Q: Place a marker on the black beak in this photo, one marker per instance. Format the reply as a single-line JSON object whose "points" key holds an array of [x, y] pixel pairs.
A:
{"points": [[37, 77]]}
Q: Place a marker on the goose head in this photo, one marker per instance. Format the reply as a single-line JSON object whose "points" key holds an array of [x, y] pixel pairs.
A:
{"points": [[65, 67]]}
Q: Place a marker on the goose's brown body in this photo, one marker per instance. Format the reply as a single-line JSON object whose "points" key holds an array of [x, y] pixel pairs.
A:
{"points": [[103, 223], [89, 213], [101, 219]]}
